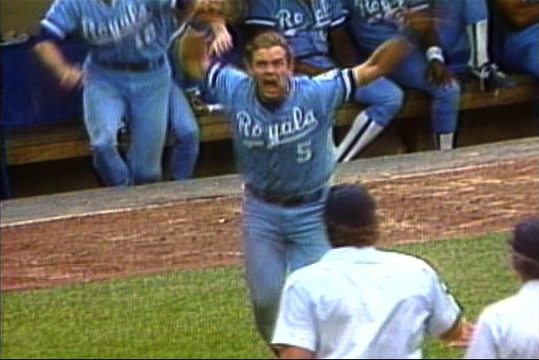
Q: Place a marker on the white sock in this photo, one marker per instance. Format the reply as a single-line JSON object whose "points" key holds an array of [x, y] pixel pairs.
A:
{"points": [[478, 39], [370, 133], [444, 141], [360, 122]]}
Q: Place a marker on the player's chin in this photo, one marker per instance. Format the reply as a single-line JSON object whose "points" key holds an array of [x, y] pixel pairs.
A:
{"points": [[272, 93]]}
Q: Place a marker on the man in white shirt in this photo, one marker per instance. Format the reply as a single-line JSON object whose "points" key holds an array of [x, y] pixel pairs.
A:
{"points": [[361, 302], [509, 328]]}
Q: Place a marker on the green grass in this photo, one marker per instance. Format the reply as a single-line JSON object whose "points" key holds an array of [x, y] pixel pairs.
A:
{"points": [[206, 314]]}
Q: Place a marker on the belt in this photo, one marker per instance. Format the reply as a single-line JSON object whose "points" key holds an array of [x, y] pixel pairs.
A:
{"points": [[141, 66], [286, 200]]}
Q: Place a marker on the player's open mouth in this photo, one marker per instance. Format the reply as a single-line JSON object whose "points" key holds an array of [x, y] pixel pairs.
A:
{"points": [[271, 85]]}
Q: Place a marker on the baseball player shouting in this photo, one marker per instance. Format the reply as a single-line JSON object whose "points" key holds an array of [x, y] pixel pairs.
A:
{"points": [[125, 76], [282, 134], [314, 29]]}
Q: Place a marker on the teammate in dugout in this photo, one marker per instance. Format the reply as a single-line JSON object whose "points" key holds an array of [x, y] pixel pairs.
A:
{"points": [[359, 302], [516, 32], [125, 76], [282, 133], [372, 22], [464, 30]]}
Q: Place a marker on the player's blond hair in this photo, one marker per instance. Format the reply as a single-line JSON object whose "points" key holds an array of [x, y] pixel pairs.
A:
{"points": [[265, 40]]}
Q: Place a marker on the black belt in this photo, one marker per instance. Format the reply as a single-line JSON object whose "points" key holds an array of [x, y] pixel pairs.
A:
{"points": [[286, 200], [133, 67]]}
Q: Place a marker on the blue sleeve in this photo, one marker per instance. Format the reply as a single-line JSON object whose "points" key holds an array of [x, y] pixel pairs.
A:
{"points": [[261, 13], [335, 87], [62, 18], [223, 80], [475, 11]]}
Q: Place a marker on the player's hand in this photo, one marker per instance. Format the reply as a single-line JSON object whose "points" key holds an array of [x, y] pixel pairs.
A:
{"points": [[438, 74], [231, 11], [222, 41], [466, 331], [71, 77]]}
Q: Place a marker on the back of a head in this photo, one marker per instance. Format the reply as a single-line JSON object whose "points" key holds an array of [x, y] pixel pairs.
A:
{"points": [[350, 216], [524, 244]]}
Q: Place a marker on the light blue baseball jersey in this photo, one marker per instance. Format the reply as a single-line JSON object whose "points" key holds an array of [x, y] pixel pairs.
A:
{"points": [[289, 149], [374, 21], [122, 31], [305, 25]]}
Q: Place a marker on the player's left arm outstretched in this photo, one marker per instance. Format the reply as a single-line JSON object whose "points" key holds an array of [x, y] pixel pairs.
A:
{"points": [[382, 61]]}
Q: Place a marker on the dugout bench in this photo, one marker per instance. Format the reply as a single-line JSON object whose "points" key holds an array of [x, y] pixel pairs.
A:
{"points": [[68, 139]]}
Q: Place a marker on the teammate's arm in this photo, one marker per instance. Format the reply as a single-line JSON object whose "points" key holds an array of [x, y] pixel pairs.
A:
{"points": [[50, 55], [194, 53], [423, 24], [341, 53], [382, 61], [342, 49]]}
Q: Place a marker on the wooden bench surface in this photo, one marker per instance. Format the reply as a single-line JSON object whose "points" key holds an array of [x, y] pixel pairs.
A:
{"points": [[69, 139]]}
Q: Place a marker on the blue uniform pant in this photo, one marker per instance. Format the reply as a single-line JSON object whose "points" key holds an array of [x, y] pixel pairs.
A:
{"points": [[411, 73], [142, 98], [278, 240], [383, 99], [521, 51], [184, 127], [452, 20]]}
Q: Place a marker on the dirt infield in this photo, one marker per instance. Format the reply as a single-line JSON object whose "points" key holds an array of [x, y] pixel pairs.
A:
{"points": [[465, 199]]}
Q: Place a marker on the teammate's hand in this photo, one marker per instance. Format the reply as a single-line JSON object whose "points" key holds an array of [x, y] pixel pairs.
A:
{"points": [[222, 41], [232, 11], [438, 74], [71, 77], [465, 335]]}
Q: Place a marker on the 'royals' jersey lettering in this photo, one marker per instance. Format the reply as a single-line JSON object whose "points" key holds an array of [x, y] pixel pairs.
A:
{"points": [[294, 19], [297, 125], [121, 31], [391, 11], [135, 18], [305, 24], [290, 148]]}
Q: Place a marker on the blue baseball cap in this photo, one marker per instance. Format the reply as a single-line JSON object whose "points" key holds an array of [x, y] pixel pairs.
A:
{"points": [[525, 238], [350, 205]]}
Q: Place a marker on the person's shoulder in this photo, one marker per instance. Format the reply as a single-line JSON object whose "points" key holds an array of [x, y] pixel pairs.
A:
{"points": [[304, 276], [220, 68], [410, 262], [499, 310]]}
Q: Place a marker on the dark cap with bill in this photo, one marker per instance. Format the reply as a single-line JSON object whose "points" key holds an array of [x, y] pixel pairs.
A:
{"points": [[350, 205], [525, 238]]}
